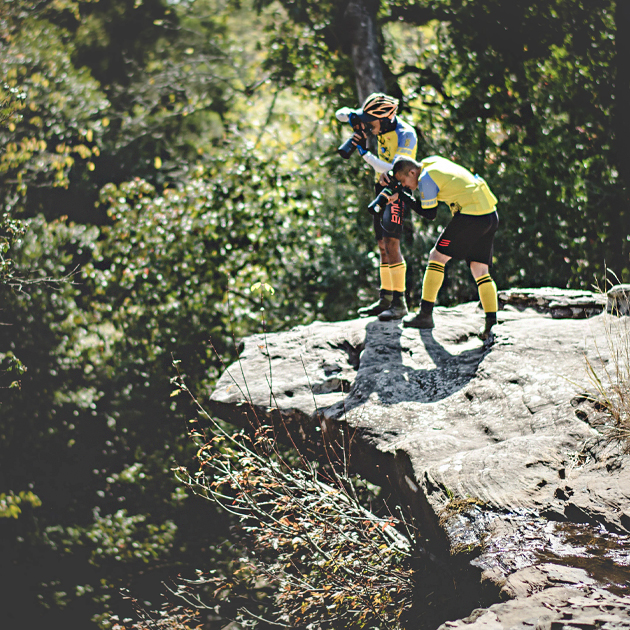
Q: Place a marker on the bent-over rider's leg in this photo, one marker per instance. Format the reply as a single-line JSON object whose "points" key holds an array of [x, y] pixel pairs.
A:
{"points": [[431, 283], [479, 259], [487, 295]]}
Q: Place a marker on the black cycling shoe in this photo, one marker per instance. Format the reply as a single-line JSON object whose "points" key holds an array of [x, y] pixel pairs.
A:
{"points": [[397, 311], [486, 334], [382, 304], [419, 320]]}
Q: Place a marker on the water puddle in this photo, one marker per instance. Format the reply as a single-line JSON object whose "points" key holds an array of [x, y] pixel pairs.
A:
{"points": [[603, 555], [521, 541]]}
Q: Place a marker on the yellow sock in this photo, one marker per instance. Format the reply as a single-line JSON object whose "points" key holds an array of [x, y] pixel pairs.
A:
{"points": [[386, 278], [433, 278], [398, 273], [487, 293]]}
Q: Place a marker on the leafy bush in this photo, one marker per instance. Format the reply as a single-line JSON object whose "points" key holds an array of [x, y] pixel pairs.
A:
{"points": [[322, 559]]}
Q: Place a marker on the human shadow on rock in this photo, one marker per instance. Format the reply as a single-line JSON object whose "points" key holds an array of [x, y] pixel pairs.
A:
{"points": [[397, 368]]}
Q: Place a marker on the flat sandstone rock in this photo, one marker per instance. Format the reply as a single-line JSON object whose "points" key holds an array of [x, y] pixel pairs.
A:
{"points": [[495, 449]]}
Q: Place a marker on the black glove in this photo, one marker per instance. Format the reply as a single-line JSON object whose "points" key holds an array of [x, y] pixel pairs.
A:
{"points": [[411, 202], [359, 139]]}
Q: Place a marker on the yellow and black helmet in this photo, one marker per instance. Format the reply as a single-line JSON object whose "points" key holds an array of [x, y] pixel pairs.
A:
{"points": [[378, 106]]}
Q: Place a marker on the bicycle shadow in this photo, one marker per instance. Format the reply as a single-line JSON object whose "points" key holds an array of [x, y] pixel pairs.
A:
{"points": [[408, 365]]}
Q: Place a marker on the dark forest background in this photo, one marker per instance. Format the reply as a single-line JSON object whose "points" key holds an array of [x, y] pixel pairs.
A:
{"points": [[161, 157]]}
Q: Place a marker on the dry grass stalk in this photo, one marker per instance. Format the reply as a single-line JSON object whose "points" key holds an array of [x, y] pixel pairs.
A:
{"points": [[610, 380]]}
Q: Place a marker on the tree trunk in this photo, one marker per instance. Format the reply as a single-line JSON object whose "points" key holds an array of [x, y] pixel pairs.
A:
{"points": [[360, 20], [621, 122]]}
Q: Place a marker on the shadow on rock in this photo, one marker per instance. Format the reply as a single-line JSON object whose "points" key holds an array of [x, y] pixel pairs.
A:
{"points": [[406, 365]]}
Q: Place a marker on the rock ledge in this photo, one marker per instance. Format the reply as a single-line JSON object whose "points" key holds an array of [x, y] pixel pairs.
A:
{"points": [[505, 430]]}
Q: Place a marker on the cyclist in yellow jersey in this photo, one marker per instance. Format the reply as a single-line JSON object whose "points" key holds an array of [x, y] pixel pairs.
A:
{"points": [[469, 235], [395, 138]]}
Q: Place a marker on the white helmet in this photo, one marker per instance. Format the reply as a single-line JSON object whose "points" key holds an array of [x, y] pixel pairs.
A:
{"points": [[378, 106]]}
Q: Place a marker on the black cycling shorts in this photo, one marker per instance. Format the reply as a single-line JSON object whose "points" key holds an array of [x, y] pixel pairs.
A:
{"points": [[469, 237], [390, 221], [393, 219]]}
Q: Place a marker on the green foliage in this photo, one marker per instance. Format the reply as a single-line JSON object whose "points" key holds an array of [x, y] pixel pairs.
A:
{"points": [[12, 366], [167, 88], [92, 406], [11, 230], [521, 93], [10, 503], [181, 265], [121, 536], [307, 45], [94, 528], [527, 102], [61, 118], [11, 101], [169, 276], [114, 37], [547, 94], [204, 132]]}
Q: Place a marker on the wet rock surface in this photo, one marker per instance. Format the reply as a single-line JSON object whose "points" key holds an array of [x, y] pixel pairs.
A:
{"points": [[502, 460]]}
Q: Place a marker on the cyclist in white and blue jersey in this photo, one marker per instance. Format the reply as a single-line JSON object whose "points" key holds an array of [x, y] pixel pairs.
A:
{"points": [[395, 138]]}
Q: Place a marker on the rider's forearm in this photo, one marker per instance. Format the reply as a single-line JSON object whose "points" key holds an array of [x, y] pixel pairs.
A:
{"points": [[380, 166]]}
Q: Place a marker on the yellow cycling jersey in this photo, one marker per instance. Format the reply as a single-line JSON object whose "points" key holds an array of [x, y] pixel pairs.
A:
{"points": [[402, 140], [443, 180]]}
